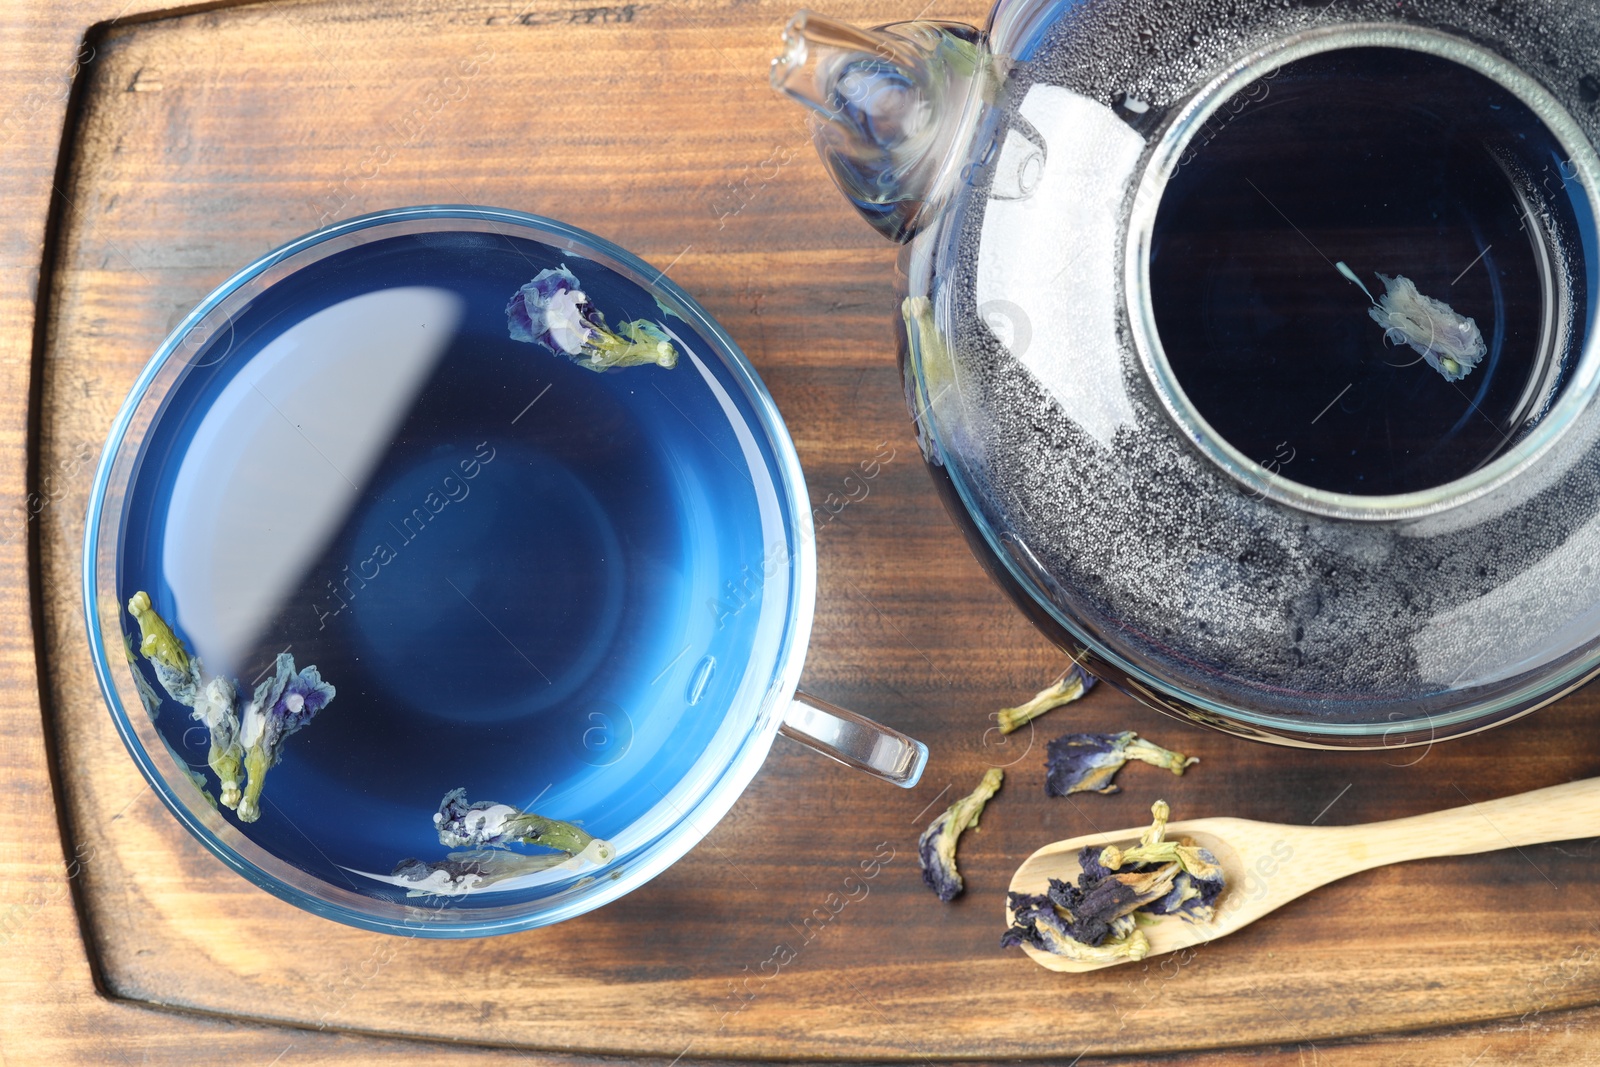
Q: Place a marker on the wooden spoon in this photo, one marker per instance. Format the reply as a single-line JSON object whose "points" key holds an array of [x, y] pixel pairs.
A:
{"points": [[1266, 865]]}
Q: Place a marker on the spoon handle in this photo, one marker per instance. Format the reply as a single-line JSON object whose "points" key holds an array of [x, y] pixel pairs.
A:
{"points": [[1556, 813]]}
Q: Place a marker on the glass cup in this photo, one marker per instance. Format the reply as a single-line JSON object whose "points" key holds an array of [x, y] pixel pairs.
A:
{"points": [[408, 541]]}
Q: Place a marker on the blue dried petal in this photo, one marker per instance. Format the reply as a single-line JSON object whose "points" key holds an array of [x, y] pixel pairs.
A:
{"points": [[1192, 897], [1036, 922], [519, 325], [282, 705], [442, 878], [1086, 763], [1028, 910], [941, 877], [1092, 905], [304, 696], [464, 872], [1083, 763], [1089, 864], [552, 311], [936, 848]]}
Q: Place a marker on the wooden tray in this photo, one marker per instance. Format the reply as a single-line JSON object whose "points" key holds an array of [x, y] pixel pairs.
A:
{"points": [[202, 140]]}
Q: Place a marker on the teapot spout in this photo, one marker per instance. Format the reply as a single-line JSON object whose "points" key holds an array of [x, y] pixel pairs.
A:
{"points": [[890, 108]]}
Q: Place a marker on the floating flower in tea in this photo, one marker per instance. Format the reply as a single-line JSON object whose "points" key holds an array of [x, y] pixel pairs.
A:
{"points": [[1093, 920], [1086, 763], [281, 706], [553, 311], [1451, 344], [488, 824], [485, 831], [1072, 684], [936, 848]]}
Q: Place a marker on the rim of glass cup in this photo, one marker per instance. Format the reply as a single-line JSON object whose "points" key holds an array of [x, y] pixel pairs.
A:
{"points": [[102, 608], [1576, 395]]}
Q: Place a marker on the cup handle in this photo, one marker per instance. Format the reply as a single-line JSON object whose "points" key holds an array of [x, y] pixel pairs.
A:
{"points": [[855, 740]]}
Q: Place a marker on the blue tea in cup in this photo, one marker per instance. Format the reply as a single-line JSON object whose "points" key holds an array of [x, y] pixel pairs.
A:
{"points": [[450, 571]]}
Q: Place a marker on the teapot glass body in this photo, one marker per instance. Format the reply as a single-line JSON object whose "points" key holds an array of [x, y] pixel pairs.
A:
{"points": [[1254, 353]]}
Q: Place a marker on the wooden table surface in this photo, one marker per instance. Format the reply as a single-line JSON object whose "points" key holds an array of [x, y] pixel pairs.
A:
{"points": [[148, 153]]}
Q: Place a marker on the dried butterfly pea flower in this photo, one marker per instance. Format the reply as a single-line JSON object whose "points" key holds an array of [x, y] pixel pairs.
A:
{"points": [[1102, 897], [281, 706], [1192, 898], [251, 739], [180, 675], [489, 825], [1037, 922], [1086, 763], [1198, 881], [1452, 344], [1072, 684], [445, 878], [485, 831], [553, 311], [936, 848], [1153, 848], [1094, 919]]}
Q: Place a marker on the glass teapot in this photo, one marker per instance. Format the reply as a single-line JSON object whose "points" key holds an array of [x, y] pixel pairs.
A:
{"points": [[1252, 345]]}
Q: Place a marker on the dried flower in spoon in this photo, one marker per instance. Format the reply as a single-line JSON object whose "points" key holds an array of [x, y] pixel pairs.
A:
{"points": [[937, 846], [1072, 684], [1199, 879], [490, 825], [553, 311], [1094, 920], [1086, 763]]}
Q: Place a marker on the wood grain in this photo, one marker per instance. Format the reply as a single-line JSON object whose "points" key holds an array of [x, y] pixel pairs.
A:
{"points": [[202, 140]]}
